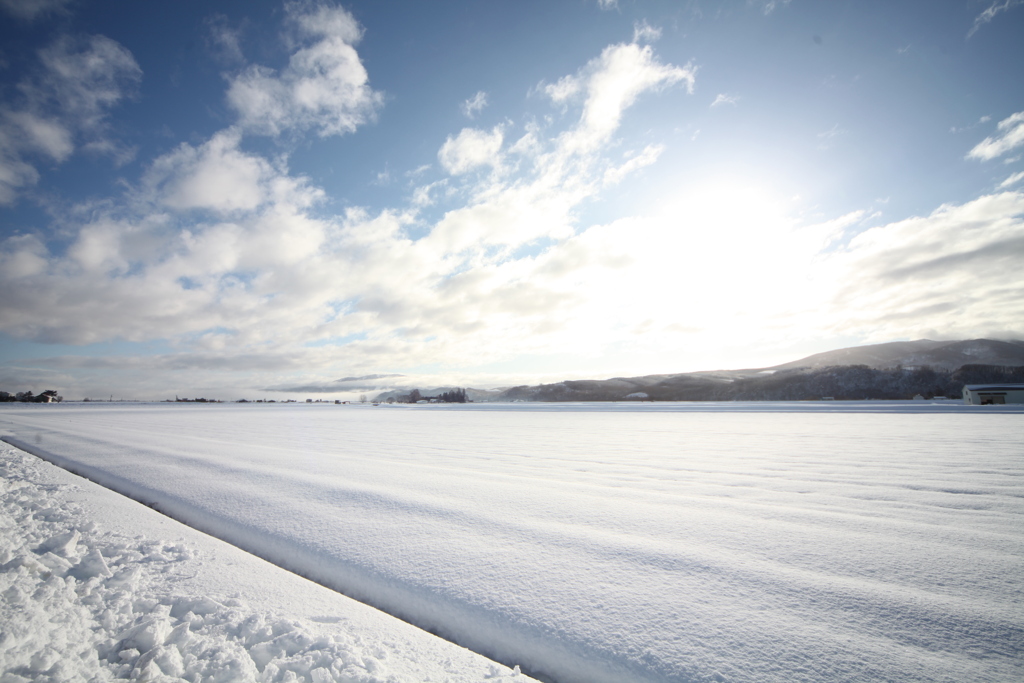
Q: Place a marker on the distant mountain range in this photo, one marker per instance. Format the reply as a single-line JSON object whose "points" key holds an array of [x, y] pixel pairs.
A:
{"points": [[896, 370]]}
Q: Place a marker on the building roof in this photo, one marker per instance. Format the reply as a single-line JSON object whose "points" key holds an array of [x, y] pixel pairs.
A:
{"points": [[994, 387]]}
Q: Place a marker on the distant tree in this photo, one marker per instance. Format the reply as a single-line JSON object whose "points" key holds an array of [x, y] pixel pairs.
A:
{"points": [[415, 395], [362, 398], [457, 395]]}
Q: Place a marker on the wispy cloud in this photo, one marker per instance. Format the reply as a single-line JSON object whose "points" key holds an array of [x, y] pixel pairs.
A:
{"points": [[474, 105], [983, 119], [645, 33], [723, 98], [1012, 180], [324, 87], [608, 4], [633, 162], [1009, 135], [611, 83], [30, 10], [826, 138], [991, 12], [768, 6], [224, 40], [64, 106]]}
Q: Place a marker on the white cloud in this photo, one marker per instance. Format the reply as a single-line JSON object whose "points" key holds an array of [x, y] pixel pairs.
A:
{"points": [[471, 149], [956, 270], [224, 254], [218, 248], [1012, 180], [991, 12], [1010, 136], [724, 99], [610, 84], [324, 88], [648, 156], [86, 78], [608, 4], [46, 136], [15, 173], [30, 10], [562, 90], [645, 33], [217, 176], [66, 103], [474, 105]]}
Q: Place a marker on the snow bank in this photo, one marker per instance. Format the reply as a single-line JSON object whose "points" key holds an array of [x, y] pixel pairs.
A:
{"points": [[83, 604], [606, 545]]}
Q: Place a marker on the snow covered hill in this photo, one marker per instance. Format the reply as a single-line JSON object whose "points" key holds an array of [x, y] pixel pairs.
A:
{"points": [[893, 371], [941, 355]]}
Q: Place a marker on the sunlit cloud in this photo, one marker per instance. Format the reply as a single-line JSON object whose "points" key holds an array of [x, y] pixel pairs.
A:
{"points": [[634, 162], [1010, 135], [217, 252], [951, 271], [324, 88], [471, 149], [610, 84], [1012, 180], [724, 99]]}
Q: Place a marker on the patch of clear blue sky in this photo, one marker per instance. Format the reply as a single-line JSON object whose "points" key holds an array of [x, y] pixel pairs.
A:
{"points": [[849, 104]]}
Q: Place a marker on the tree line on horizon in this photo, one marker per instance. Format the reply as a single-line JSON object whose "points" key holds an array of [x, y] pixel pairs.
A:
{"points": [[48, 396], [456, 395]]}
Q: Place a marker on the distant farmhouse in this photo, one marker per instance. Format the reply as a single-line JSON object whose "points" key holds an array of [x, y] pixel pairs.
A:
{"points": [[993, 394]]}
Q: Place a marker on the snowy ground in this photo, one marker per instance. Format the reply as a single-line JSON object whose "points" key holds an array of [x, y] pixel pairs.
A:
{"points": [[592, 543], [95, 587]]}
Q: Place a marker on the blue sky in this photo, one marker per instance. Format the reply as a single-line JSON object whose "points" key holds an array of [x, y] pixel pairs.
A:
{"points": [[235, 198]]}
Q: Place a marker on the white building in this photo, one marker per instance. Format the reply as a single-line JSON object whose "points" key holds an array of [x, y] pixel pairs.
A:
{"points": [[993, 394]]}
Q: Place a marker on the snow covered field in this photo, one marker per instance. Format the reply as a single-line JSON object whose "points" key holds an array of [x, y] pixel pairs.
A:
{"points": [[95, 587], [602, 543]]}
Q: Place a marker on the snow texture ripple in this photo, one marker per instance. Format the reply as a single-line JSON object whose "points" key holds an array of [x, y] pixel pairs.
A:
{"points": [[82, 603], [596, 545]]}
